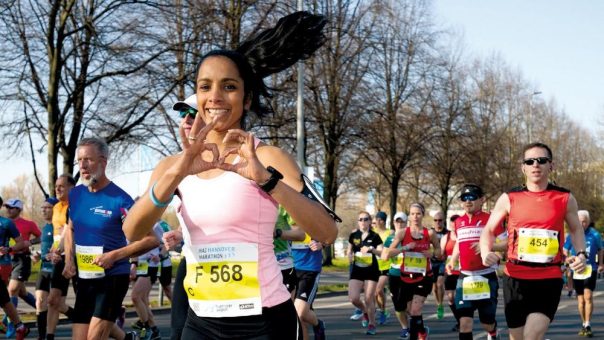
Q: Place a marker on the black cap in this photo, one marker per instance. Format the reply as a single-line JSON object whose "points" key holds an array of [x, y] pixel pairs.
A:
{"points": [[471, 190]]}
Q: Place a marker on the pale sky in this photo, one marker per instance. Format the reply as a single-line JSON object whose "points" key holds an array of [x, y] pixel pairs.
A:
{"points": [[558, 45]]}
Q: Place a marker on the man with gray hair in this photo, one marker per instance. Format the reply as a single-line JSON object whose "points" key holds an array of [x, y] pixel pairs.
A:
{"points": [[95, 239], [585, 281]]}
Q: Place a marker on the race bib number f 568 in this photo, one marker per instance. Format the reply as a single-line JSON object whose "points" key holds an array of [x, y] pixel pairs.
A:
{"points": [[222, 279], [85, 255], [537, 245]]}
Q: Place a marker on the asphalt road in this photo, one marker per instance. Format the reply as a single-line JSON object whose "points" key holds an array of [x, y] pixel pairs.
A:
{"points": [[335, 310]]}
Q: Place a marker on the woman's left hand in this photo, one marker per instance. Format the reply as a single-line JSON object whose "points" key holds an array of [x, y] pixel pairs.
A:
{"points": [[243, 144]]}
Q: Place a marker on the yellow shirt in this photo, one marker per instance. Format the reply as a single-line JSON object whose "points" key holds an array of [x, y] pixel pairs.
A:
{"points": [[59, 216]]}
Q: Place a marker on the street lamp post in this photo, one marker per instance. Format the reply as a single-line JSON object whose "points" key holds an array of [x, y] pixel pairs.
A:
{"points": [[530, 116], [300, 110]]}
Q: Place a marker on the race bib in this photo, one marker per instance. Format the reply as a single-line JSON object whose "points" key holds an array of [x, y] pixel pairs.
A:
{"points": [[142, 268], [56, 241], [537, 245], [84, 257], [475, 288], [396, 261], [362, 260], [585, 274], [305, 244], [222, 279], [415, 263]]}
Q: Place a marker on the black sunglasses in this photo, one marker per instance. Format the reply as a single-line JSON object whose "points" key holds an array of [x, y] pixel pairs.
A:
{"points": [[363, 219], [468, 198], [188, 112], [540, 160]]}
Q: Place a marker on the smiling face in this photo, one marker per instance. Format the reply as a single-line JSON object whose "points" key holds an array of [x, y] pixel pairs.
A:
{"points": [[364, 222], [62, 187], [220, 93], [537, 173]]}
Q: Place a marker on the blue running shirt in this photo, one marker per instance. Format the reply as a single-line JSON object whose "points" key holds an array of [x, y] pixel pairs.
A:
{"points": [[97, 220]]}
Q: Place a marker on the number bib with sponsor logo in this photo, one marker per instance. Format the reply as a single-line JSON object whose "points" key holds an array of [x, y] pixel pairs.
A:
{"points": [[142, 268], [396, 261], [537, 245], [305, 244], [84, 257], [56, 241], [222, 279], [475, 288], [415, 263], [362, 260], [585, 274]]}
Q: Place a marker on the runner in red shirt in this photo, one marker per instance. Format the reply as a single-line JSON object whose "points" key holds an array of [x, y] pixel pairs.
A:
{"points": [[447, 244], [416, 272], [536, 214], [30, 234], [477, 284]]}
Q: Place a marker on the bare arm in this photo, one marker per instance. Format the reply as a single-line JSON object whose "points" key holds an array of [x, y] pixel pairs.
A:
{"points": [[294, 234], [487, 238], [308, 214], [577, 236]]}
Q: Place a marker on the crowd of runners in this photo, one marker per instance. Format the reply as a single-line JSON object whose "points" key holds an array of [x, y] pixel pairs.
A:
{"points": [[252, 229]]}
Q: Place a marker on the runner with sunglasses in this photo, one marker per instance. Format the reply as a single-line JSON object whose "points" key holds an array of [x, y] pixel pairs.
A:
{"points": [[477, 284], [536, 213], [363, 245]]}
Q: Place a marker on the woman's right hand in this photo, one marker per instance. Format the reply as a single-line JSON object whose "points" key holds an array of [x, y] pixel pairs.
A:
{"points": [[194, 145]]}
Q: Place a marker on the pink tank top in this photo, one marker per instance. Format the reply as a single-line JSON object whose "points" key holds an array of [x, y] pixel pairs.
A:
{"points": [[230, 208]]}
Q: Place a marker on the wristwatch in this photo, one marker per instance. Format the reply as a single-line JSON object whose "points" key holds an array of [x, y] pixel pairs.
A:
{"points": [[582, 252], [269, 185], [278, 233]]}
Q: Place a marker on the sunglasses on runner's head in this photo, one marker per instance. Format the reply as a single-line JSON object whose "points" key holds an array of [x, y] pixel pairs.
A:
{"points": [[363, 219], [189, 112], [540, 160]]}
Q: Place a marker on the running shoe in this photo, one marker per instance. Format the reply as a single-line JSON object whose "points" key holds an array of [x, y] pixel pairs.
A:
{"points": [[132, 335], [365, 321], [440, 312], [10, 330], [371, 330], [588, 332], [493, 337], [145, 334], [138, 325], [383, 317], [121, 319], [424, 335], [404, 334], [319, 330], [155, 334], [21, 332], [582, 331], [357, 315]]}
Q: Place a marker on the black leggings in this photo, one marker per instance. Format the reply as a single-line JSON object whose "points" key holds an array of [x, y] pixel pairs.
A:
{"points": [[180, 302]]}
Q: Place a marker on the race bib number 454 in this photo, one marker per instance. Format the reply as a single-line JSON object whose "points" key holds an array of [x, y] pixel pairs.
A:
{"points": [[222, 279], [537, 245]]}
